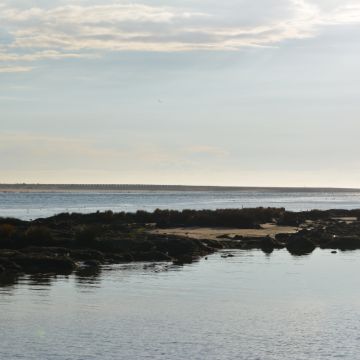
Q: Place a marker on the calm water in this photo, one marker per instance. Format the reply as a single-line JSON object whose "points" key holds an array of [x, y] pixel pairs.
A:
{"points": [[251, 306], [34, 205]]}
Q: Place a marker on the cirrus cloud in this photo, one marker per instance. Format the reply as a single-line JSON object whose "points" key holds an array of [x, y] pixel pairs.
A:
{"points": [[62, 30]]}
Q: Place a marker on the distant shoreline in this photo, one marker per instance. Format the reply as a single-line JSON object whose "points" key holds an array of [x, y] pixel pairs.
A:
{"points": [[145, 187]]}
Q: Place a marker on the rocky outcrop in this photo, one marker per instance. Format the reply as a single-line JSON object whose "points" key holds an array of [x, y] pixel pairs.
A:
{"points": [[66, 242]]}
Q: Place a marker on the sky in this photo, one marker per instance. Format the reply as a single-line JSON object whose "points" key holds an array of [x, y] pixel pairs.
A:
{"points": [[197, 92]]}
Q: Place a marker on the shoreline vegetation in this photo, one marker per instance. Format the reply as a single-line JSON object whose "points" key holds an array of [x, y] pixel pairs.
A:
{"points": [[66, 242]]}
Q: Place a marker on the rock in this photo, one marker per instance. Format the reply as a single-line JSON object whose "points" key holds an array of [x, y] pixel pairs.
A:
{"points": [[86, 254], [282, 237], [176, 246], [151, 256], [38, 263], [185, 259], [227, 255], [334, 252], [92, 263], [214, 244], [119, 258], [9, 266], [224, 236], [49, 250], [8, 253], [298, 245], [344, 243], [88, 271], [266, 244]]}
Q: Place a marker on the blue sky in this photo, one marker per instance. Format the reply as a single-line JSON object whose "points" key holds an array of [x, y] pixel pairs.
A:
{"points": [[246, 92]]}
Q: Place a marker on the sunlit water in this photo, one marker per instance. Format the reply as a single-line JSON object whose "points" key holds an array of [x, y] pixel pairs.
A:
{"points": [[251, 306], [34, 205]]}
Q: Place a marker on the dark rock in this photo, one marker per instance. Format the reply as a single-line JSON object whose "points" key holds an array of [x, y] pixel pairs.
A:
{"points": [[9, 265], [224, 236], [119, 258], [88, 272], [38, 235], [8, 253], [298, 245], [151, 256], [176, 246], [46, 250], [92, 263], [86, 254], [344, 243], [227, 255], [184, 259], [283, 237], [267, 245], [214, 244], [37, 263]]}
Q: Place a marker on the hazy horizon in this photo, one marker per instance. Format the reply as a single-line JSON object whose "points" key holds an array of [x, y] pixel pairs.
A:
{"points": [[156, 187], [246, 93]]}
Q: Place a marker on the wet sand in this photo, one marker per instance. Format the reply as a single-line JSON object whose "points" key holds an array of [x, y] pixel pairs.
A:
{"points": [[214, 233]]}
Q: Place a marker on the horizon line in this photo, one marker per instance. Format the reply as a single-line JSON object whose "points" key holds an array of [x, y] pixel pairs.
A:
{"points": [[115, 186]]}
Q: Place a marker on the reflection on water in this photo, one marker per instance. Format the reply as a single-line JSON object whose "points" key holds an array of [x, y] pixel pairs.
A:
{"points": [[249, 306]]}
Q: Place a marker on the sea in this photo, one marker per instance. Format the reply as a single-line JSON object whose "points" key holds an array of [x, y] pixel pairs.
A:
{"points": [[32, 205], [252, 306]]}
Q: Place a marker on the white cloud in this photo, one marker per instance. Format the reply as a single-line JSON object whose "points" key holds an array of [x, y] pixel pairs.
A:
{"points": [[15, 69], [86, 29]]}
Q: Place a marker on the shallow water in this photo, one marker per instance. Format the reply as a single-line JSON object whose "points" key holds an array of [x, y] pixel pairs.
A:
{"points": [[251, 306], [34, 205]]}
